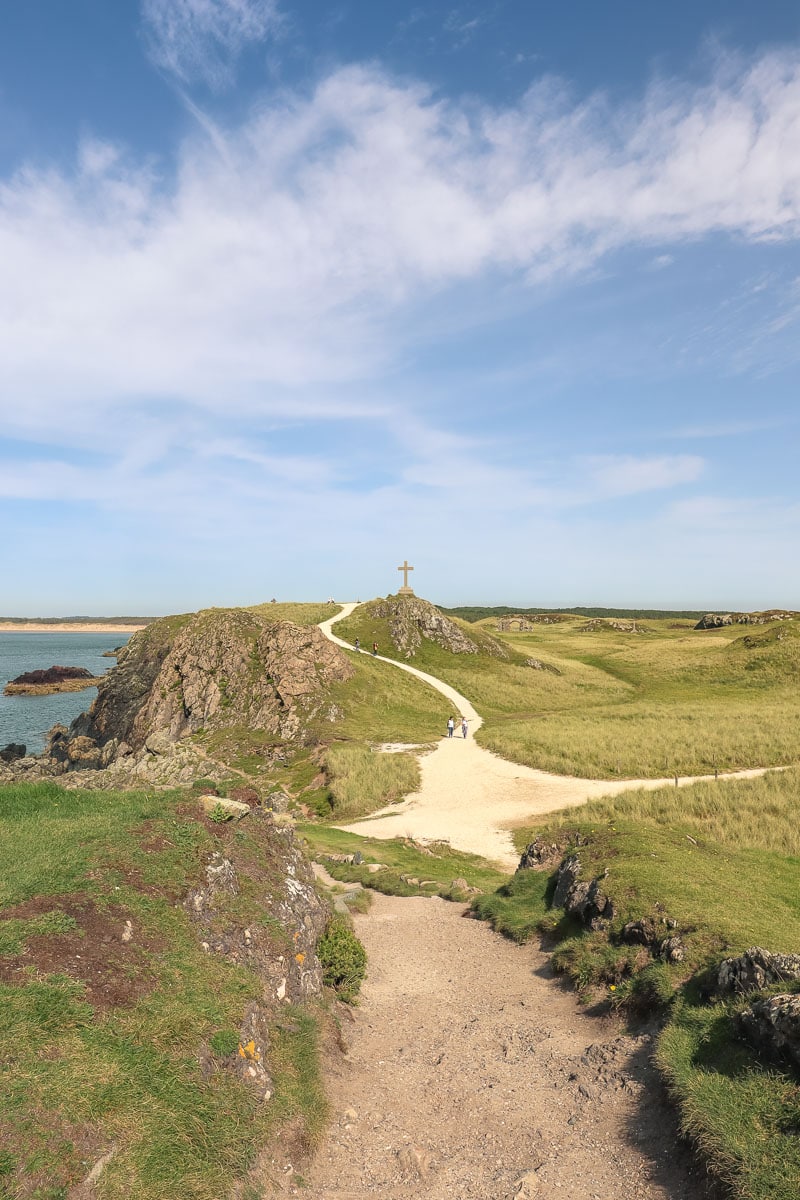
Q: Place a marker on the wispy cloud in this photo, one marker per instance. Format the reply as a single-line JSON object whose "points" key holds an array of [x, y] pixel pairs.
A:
{"points": [[200, 40], [276, 276]]}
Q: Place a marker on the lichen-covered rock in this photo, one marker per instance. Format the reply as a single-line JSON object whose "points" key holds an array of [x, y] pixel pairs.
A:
{"points": [[639, 933], [411, 619], [539, 853], [579, 898], [672, 949], [773, 1025], [756, 969]]}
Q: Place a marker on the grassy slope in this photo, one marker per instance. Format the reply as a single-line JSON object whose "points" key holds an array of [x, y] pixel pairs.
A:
{"points": [[667, 701], [722, 860], [686, 702], [77, 1078]]}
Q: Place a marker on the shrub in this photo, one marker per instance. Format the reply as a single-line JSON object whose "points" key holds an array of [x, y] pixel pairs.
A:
{"points": [[343, 959]]}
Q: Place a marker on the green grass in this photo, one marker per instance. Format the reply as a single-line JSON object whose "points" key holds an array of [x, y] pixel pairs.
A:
{"points": [[400, 857], [722, 860], [77, 1078], [299, 613], [362, 780]]}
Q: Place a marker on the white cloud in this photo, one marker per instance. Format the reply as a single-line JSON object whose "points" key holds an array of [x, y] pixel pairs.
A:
{"points": [[624, 475], [276, 275], [201, 39]]}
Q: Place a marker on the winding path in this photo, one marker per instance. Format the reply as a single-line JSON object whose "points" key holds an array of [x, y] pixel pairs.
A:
{"points": [[473, 798]]}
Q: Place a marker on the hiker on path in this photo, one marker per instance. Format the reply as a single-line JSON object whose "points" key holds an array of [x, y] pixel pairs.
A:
{"points": [[463, 726], [374, 649], [450, 726], [357, 643]]}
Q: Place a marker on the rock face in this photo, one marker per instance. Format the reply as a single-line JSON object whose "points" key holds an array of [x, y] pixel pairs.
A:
{"points": [[718, 620], [411, 619], [756, 969], [211, 670], [773, 1025]]}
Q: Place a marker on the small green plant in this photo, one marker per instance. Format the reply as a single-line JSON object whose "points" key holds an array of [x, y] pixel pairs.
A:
{"points": [[219, 814], [343, 959], [224, 1042]]}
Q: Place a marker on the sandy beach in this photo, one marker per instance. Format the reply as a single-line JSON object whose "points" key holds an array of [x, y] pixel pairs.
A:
{"points": [[67, 627]]}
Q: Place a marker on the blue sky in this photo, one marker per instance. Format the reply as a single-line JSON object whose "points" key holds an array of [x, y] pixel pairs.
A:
{"points": [[293, 290]]}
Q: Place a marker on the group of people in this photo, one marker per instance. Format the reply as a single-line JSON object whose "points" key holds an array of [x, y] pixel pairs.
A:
{"points": [[451, 724], [357, 645]]}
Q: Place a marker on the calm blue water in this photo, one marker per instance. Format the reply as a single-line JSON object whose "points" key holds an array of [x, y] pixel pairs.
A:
{"points": [[27, 718]]}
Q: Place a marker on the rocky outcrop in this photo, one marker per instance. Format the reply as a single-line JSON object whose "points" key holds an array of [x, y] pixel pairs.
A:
{"points": [[12, 752], [411, 620], [523, 622], [719, 620], [538, 665], [597, 624], [583, 899], [538, 854], [756, 969], [53, 679], [772, 1025], [211, 670]]}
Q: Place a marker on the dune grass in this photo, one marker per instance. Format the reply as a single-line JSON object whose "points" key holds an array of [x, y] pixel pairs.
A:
{"points": [[362, 780], [669, 700], [78, 1078], [299, 613]]}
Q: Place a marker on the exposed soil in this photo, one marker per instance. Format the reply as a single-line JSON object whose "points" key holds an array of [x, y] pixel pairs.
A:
{"points": [[471, 1075], [106, 952]]}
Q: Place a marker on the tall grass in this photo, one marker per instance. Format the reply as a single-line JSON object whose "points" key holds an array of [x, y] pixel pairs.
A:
{"points": [[362, 780]]}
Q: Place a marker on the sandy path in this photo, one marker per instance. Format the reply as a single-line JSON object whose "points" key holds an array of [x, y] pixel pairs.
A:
{"points": [[470, 1076], [473, 798]]}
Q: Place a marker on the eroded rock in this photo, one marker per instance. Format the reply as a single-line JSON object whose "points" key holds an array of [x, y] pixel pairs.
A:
{"points": [[773, 1026], [756, 969]]}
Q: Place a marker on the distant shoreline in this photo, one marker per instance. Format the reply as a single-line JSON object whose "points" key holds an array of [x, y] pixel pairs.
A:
{"points": [[68, 627]]}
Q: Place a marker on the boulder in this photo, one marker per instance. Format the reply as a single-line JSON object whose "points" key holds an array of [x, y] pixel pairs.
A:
{"points": [[12, 752], [539, 853], [233, 809], [773, 1026], [279, 802], [579, 898], [756, 969]]}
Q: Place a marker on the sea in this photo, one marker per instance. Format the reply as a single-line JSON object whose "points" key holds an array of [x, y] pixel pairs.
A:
{"points": [[27, 719]]}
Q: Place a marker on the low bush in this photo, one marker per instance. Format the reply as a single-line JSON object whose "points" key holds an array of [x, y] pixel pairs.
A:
{"points": [[343, 959]]}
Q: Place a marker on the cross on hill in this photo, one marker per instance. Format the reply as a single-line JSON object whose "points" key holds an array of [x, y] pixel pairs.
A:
{"points": [[405, 590]]}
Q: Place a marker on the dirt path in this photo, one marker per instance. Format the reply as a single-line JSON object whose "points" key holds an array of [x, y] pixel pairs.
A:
{"points": [[471, 1076], [473, 798]]}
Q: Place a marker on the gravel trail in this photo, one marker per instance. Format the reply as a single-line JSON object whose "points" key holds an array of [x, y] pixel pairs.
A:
{"points": [[471, 1075]]}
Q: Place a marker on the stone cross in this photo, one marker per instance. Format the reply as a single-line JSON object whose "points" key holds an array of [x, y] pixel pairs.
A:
{"points": [[405, 590]]}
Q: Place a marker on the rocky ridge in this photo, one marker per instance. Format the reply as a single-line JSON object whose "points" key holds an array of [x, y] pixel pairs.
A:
{"points": [[411, 620], [720, 620]]}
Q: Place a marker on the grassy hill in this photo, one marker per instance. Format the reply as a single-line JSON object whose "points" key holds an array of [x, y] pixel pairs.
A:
{"points": [[661, 701], [472, 612]]}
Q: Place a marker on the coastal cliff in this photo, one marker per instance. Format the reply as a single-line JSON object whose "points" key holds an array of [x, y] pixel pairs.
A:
{"points": [[194, 675]]}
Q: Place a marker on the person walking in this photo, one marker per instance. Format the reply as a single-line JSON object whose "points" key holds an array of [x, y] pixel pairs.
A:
{"points": [[357, 643], [374, 649], [463, 726], [450, 726]]}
